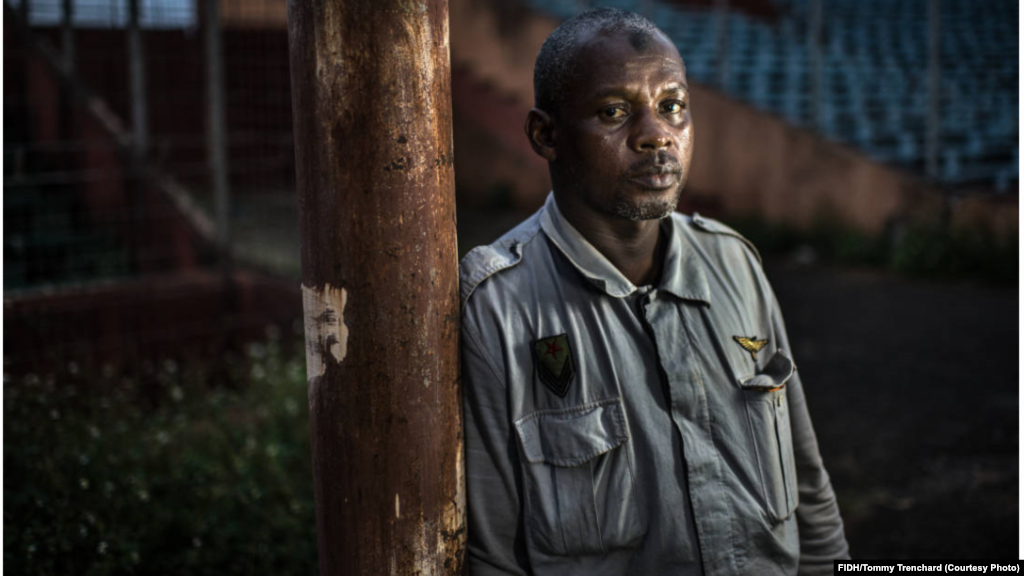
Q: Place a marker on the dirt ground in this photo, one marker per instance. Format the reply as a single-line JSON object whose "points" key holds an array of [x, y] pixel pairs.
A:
{"points": [[913, 388]]}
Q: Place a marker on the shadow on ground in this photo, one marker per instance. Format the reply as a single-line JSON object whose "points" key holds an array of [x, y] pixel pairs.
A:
{"points": [[913, 388]]}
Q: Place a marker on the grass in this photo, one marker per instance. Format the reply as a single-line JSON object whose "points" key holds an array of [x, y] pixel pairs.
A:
{"points": [[167, 471], [929, 250]]}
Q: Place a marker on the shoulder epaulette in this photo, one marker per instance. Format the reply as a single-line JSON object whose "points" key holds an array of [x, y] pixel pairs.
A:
{"points": [[715, 227], [483, 261]]}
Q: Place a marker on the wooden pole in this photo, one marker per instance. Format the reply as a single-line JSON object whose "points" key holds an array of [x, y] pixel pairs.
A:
{"points": [[137, 77], [371, 106], [143, 239], [66, 113], [216, 138]]}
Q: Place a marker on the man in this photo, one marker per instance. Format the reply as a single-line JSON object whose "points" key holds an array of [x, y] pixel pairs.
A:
{"points": [[631, 402]]}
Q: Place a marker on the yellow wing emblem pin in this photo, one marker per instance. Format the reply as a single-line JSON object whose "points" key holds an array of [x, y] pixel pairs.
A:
{"points": [[752, 345]]}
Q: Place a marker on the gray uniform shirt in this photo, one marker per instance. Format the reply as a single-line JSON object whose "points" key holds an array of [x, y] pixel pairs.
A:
{"points": [[617, 430]]}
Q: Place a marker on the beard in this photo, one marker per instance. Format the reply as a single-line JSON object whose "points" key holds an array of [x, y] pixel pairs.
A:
{"points": [[649, 204]]}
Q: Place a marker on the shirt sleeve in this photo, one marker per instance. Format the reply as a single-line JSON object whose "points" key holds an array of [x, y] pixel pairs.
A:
{"points": [[822, 538], [493, 485]]}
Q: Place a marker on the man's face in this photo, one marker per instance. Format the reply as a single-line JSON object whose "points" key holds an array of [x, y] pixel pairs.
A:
{"points": [[624, 136]]}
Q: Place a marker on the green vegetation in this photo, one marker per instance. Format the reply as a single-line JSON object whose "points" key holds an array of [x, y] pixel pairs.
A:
{"points": [[168, 472], [930, 250], [48, 241], [918, 249]]}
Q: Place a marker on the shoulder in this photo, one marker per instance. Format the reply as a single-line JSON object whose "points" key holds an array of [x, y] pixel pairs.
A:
{"points": [[504, 253], [713, 235]]}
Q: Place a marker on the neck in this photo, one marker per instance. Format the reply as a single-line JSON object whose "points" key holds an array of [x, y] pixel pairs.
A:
{"points": [[635, 248]]}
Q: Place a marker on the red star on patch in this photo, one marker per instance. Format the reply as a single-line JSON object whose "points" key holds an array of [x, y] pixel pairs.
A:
{"points": [[552, 348]]}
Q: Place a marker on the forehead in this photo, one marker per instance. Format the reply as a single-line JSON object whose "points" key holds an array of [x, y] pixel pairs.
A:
{"points": [[627, 59]]}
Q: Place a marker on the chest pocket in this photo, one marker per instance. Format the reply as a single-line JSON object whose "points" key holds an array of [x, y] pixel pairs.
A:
{"points": [[768, 415], [578, 481]]}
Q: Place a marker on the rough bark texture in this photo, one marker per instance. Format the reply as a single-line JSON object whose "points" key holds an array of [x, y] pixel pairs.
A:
{"points": [[373, 145]]}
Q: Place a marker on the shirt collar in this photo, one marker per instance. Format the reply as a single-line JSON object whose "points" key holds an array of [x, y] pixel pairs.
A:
{"points": [[683, 274]]}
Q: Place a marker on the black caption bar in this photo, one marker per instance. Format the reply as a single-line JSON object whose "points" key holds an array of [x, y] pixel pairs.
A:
{"points": [[941, 566]]}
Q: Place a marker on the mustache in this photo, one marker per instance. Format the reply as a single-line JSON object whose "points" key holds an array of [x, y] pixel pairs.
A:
{"points": [[662, 163]]}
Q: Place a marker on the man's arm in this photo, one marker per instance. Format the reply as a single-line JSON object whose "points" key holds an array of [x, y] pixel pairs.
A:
{"points": [[822, 538], [496, 545]]}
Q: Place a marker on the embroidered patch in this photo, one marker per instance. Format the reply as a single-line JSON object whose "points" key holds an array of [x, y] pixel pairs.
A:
{"points": [[553, 359], [752, 345]]}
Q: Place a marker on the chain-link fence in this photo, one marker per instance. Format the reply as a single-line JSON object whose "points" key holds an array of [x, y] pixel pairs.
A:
{"points": [[148, 166]]}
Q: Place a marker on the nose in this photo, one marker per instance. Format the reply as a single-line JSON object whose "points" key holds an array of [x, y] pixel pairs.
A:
{"points": [[650, 133]]}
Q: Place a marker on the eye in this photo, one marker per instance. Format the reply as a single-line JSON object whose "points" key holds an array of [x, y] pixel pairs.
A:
{"points": [[673, 107], [612, 113]]}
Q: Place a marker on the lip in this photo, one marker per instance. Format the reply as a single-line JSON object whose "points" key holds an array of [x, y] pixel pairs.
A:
{"points": [[659, 181]]}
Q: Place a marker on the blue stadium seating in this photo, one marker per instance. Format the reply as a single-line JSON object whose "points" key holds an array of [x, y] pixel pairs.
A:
{"points": [[874, 75]]}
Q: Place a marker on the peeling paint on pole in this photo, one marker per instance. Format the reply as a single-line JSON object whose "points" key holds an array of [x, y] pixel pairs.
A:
{"points": [[372, 114], [326, 333]]}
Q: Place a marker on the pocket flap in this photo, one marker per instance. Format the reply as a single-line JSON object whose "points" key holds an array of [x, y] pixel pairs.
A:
{"points": [[773, 376], [571, 436]]}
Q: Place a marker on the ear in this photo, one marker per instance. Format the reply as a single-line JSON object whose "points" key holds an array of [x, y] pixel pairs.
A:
{"points": [[540, 129]]}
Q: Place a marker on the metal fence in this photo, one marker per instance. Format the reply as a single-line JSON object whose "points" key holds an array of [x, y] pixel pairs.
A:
{"points": [[147, 153]]}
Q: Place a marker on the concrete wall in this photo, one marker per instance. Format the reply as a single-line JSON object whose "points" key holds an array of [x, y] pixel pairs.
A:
{"points": [[493, 46], [751, 162]]}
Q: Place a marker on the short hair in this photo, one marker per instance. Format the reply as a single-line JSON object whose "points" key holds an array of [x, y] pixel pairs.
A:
{"points": [[555, 63]]}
